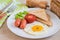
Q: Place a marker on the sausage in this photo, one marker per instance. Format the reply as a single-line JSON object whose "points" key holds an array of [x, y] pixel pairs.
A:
{"points": [[17, 22], [23, 24]]}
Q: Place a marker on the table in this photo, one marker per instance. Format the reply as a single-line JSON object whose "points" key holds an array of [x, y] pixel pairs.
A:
{"points": [[6, 34]]}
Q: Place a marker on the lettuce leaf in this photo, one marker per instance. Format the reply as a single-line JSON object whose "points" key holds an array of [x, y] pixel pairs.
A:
{"points": [[21, 15]]}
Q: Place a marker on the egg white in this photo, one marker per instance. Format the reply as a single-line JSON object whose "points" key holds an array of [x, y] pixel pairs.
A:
{"points": [[28, 28]]}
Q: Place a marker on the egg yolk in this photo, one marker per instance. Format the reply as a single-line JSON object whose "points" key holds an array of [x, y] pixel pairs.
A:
{"points": [[37, 28]]}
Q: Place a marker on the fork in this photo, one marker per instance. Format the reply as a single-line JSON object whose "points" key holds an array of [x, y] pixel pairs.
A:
{"points": [[3, 10]]}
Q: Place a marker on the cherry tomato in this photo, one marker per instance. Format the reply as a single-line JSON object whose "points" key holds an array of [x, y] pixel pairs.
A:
{"points": [[23, 24], [30, 18]]}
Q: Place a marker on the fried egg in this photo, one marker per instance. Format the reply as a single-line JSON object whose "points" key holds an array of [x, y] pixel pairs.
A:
{"points": [[36, 28]]}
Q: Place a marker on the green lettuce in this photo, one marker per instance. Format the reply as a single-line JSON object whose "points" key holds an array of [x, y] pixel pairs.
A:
{"points": [[21, 15]]}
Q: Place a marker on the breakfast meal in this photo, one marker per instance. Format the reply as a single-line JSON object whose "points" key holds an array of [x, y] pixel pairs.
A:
{"points": [[34, 22], [36, 3], [32, 18], [55, 7]]}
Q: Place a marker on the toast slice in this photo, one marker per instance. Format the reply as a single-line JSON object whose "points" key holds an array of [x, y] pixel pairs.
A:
{"points": [[41, 13], [42, 16], [49, 23]]}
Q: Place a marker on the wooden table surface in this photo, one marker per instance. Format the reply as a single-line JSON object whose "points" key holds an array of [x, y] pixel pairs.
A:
{"points": [[6, 34]]}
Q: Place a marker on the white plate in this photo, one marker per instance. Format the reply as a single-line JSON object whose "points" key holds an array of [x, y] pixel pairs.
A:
{"points": [[19, 32]]}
